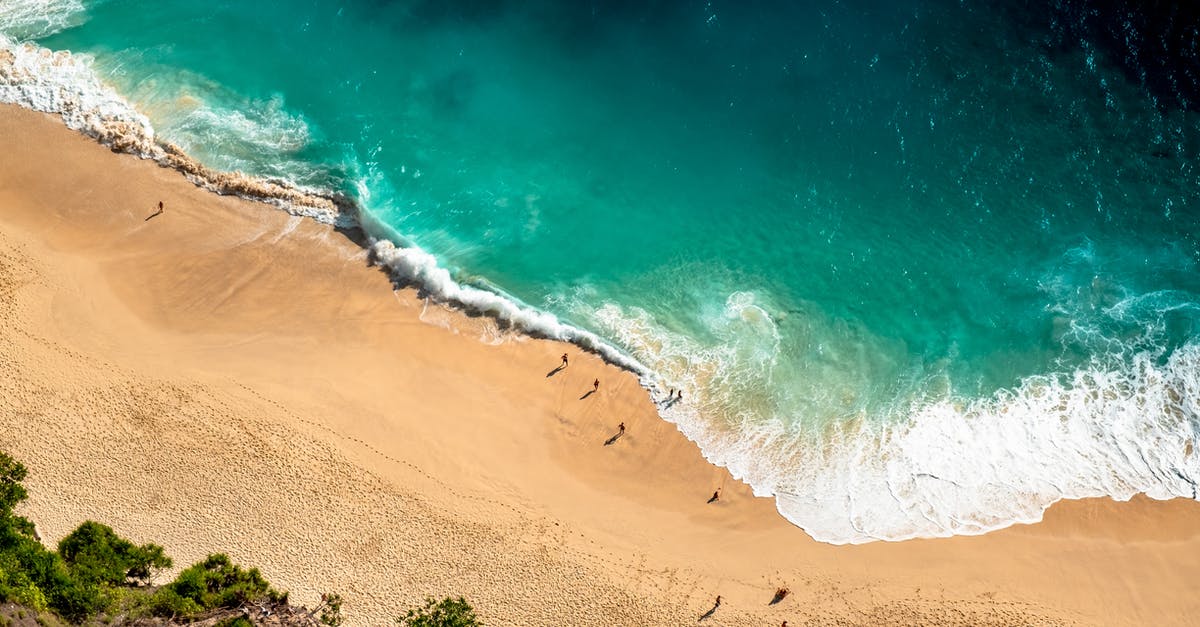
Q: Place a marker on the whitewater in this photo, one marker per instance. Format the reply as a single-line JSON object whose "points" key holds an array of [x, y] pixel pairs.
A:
{"points": [[857, 435]]}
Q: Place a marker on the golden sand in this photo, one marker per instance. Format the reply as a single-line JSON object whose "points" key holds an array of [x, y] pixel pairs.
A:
{"points": [[226, 377]]}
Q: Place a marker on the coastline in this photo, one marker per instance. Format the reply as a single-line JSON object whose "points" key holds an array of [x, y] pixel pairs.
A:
{"points": [[242, 380]]}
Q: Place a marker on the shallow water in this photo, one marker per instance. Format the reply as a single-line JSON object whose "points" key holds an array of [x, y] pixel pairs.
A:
{"points": [[922, 268]]}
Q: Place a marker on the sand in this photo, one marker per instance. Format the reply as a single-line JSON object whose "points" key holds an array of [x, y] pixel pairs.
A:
{"points": [[227, 377]]}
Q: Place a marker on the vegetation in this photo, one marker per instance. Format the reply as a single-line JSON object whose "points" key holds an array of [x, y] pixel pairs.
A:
{"points": [[95, 573], [331, 609], [212, 584], [96, 554], [94, 568], [445, 613]]}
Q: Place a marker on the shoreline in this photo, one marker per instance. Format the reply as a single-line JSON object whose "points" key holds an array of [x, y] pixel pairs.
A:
{"points": [[242, 380], [59, 82]]}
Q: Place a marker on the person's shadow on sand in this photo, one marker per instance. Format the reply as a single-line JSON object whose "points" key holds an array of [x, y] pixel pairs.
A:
{"points": [[589, 393], [548, 374], [616, 436], [156, 213]]}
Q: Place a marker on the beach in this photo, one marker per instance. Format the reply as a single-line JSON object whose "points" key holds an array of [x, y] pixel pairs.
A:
{"points": [[229, 377]]}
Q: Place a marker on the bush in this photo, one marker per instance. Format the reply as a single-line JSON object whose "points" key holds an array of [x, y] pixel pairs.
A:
{"points": [[76, 601], [93, 565], [214, 583], [167, 602], [12, 473], [148, 561], [97, 555], [236, 621], [16, 586], [445, 613], [331, 609]]}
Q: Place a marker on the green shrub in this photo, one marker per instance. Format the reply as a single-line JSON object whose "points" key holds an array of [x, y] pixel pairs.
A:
{"points": [[12, 473], [215, 582], [445, 613], [236, 621], [77, 601], [16, 586], [97, 555], [167, 602], [331, 609], [148, 561]]}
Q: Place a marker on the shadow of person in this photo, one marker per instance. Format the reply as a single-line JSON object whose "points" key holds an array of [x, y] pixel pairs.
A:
{"points": [[715, 497], [589, 393], [153, 215], [707, 615], [615, 437], [552, 372], [780, 595]]}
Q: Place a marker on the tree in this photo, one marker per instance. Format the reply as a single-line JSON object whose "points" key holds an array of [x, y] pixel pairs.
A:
{"points": [[12, 473], [97, 555], [215, 582], [148, 561], [445, 613]]}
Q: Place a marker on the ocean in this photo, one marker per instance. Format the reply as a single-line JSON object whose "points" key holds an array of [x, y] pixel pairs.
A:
{"points": [[920, 268]]}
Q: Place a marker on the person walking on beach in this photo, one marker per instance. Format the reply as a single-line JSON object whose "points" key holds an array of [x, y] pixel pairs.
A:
{"points": [[564, 364], [156, 213], [718, 603], [716, 496], [621, 429], [596, 385]]}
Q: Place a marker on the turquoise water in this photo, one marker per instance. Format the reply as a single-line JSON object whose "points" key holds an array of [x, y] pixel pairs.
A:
{"points": [[921, 267]]}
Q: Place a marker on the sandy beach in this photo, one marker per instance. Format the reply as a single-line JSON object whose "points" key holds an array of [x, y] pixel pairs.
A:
{"points": [[227, 377]]}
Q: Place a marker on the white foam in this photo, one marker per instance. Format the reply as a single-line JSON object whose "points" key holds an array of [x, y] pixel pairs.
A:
{"points": [[66, 84], [932, 469], [941, 469], [255, 127], [413, 265], [961, 469], [63, 83], [34, 19]]}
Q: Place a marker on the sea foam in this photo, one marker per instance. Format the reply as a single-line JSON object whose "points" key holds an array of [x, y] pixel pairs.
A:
{"points": [[967, 467], [66, 84], [412, 265], [1126, 424], [33, 19], [938, 469]]}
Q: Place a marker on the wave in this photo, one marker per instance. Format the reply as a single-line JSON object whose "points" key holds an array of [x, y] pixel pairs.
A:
{"points": [[968, 468], [1122, 426], [412, 265], [940, 468], [66, 84], [34, 19]]}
